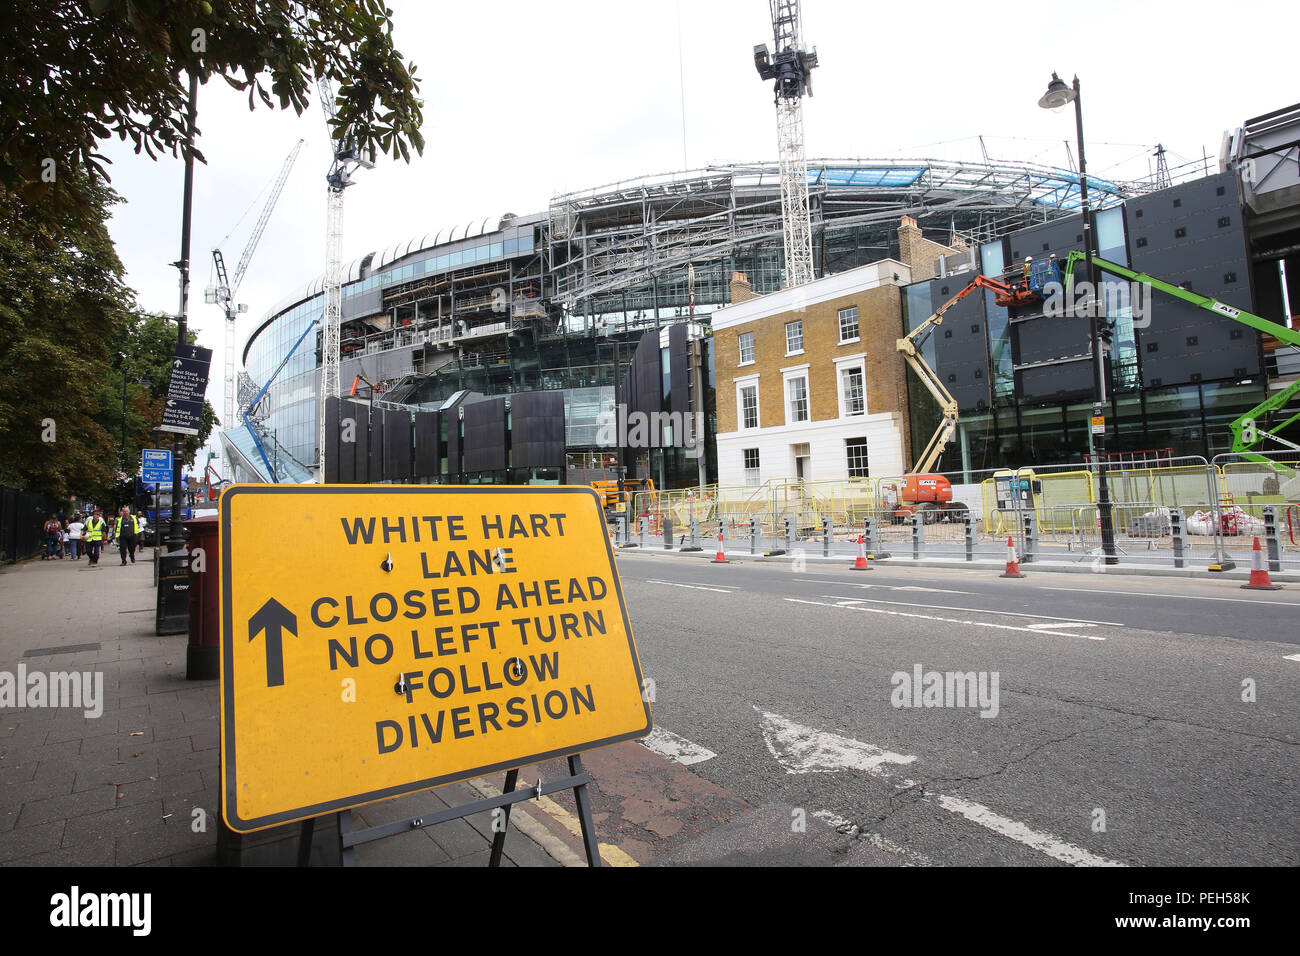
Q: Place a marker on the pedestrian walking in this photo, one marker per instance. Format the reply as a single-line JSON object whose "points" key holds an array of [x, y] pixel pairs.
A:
{"points": [[53, 537], [75, 529], [126, 529], [95, 526]]}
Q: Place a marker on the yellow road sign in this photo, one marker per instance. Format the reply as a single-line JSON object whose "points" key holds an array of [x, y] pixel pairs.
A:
{"points": [[378, 640]]}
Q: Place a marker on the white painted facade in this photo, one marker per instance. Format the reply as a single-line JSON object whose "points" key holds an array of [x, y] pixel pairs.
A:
{"points": [[827, 448]]}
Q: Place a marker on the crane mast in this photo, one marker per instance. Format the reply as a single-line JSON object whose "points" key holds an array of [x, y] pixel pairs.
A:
{"points": [[224, 292], [346, 160], [790, 66]]}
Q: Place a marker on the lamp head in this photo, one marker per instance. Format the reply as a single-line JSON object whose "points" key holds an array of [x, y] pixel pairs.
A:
{"points": [[1057, 95]]}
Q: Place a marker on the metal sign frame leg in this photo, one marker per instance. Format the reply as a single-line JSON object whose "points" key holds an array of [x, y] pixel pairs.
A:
{"points": [[499, 837], [347, 851], [305, 832], [349, 838], [583, 799]]}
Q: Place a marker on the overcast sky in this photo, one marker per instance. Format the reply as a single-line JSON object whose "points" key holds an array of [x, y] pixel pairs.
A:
{"points": [[523, 100]]}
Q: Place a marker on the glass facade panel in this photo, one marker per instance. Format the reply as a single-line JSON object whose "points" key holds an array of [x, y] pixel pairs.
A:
{"points": [[1004, 381], [1110, 235], [292, 397], [1174, 419]]}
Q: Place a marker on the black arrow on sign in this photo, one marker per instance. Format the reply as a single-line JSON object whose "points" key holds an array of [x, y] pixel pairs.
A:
{"points": [[273, 617]]}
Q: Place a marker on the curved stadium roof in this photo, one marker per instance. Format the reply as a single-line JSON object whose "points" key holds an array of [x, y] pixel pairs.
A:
{"points": [[738, 204]]}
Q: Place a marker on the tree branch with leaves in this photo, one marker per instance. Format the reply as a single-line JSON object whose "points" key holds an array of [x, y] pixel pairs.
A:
{"points": [[76, 72]]}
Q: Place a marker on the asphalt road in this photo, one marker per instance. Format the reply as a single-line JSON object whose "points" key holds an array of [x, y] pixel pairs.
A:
{"points": [[1116, 732]]}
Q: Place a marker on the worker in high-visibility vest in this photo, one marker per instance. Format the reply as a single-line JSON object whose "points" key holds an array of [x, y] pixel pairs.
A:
{"points": [[94, 537], [125, 529]]}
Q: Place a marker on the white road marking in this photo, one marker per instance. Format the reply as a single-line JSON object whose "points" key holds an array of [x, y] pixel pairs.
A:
{"points": [[1292, 657], [1043, 842], [801, 749], [693, 587], [984, 610], [854, 605], [667, 744], [883, 587], [1177, 597], [875, 839], [1047, 626]]}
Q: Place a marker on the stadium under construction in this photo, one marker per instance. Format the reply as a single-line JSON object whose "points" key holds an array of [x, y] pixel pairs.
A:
{"points": [[496, 350]]}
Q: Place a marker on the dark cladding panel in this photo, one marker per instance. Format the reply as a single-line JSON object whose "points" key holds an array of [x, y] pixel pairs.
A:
{"points": [[376, 455], [1068, 381], [1037, 338], [353, 427], [647, 370], [450, 419], [537, 429], [397, 445], [961, 343], [1058, 237], [1047, 338], [331, 441], [485, 435], [1192, 235], [426, 445], [679, 367]]}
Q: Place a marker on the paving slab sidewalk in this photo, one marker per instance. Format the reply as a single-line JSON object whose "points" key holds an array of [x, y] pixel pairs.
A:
{"points": [[137, 783]]}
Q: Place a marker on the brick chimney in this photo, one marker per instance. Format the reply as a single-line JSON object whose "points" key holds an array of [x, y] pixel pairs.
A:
{"points": [[909, 236], [740, 289]]}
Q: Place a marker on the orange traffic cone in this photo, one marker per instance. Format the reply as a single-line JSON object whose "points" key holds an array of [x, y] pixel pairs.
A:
{"points": [[861, 563], [721, 557], [1013, 566], [1259, 580]]}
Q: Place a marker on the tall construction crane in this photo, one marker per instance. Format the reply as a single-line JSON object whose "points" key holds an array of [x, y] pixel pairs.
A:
{"points": [[347, 158], [223, 293], [790, 66]]}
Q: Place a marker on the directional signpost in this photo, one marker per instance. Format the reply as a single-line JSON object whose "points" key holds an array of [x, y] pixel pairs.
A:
{"points": [[156, 465], [381, 640], [185, 390]]}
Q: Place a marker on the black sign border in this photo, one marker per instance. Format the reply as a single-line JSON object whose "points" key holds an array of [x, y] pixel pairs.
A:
{"points": [[230, 787]]}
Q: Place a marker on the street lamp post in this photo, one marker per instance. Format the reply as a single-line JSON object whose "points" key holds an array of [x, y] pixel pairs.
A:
{"points": [[1057, 95], [121, 451]]}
